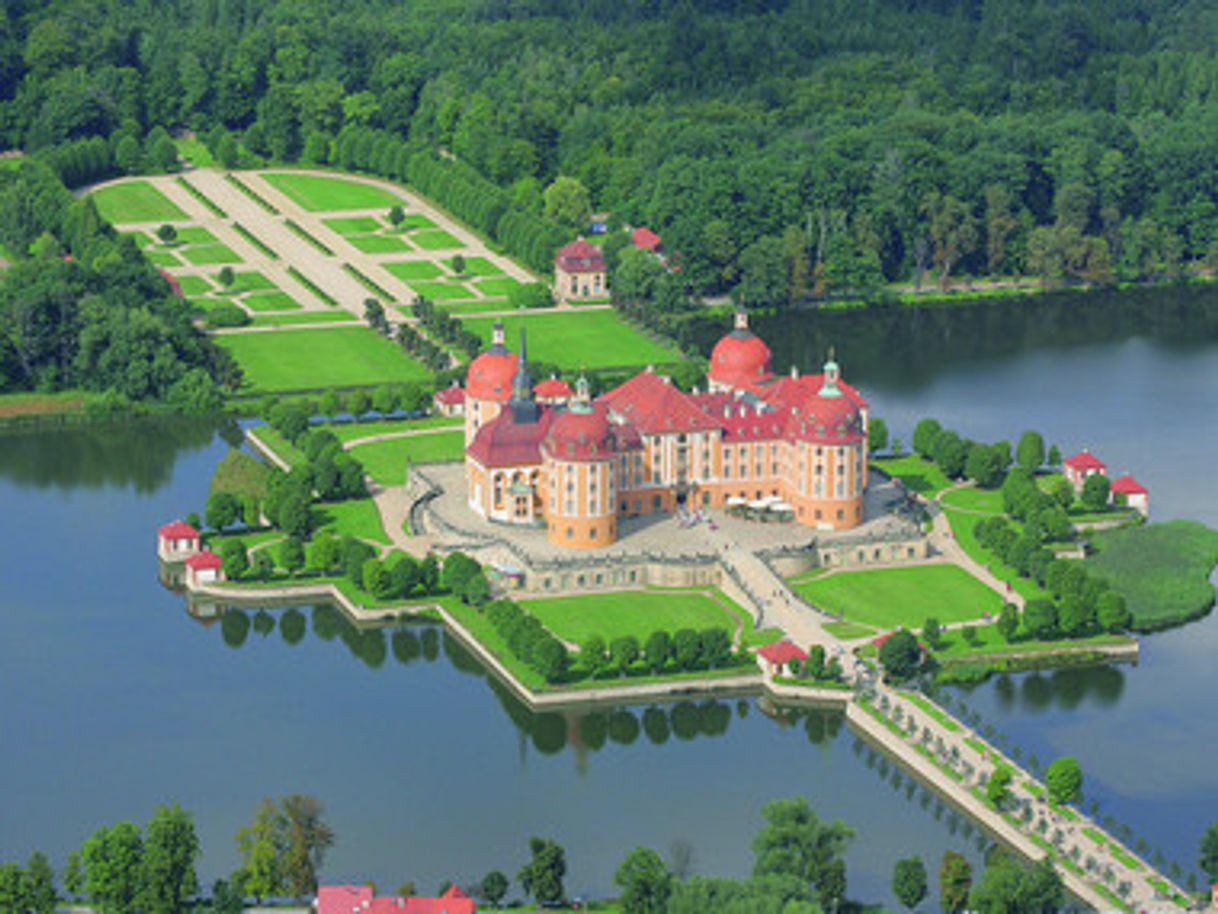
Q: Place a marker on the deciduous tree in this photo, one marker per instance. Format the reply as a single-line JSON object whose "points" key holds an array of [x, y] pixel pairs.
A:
{"points": [[644, 881], [909, 881]]}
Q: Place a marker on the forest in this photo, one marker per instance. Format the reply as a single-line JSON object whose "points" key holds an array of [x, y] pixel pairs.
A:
{"points": [[782, 148]]}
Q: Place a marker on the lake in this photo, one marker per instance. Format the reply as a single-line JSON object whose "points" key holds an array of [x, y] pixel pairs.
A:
{"points": [[119, 700]]}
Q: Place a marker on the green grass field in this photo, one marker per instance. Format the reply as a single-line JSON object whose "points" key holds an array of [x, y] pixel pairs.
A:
{"points": [[440, 291], [503, 285], [918, 475], [407, 270], [281, 319], [247, 281], [194, 285], [270, 301], [163, 258], [476, 266], [474, 306], [971, 498], [435, 240], [358, 517], [963, 525], [1163, 570], [135, 201], [378, 244], [202, 254], [195, 234], [195, 151], [888, 597], [385, 461], [321, 193], [591, 339], [952, 644], [141, 239], [310, 359], [416, 221], [633, 612], [350, 431], [283, 448], [848, 631], [352, 225], [241, 474]]}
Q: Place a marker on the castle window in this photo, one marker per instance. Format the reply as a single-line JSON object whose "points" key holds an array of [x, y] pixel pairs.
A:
{"points": [[570, 533], [593, 536], [655, 502], [841, 515]]}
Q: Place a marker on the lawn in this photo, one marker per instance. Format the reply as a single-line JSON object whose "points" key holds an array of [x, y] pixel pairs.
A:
{"points": [[248, 281], [270, 301], [378, 244], [848, 631], [918, 475], [241, 474], [971, 498], [587, 339], [440, 291], [357, 517], [281, 447], [163, 258], [210, 253], [1163, 570], [312, 359], [888, 597], [194, 285], [500, 286], [302, 317], [476, 266], [474, 306], [952, 644], [632, 612], [963, 526], [141, 240], [350, 431], [352, 225], [135, 201], [416, 221], [195, 234], [194, 150], [321, 193], [406, 270], [385, 461], [435, 240]]}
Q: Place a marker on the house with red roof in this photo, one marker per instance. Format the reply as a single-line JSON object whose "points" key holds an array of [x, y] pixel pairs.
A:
{"points": [[449, 401], [645, 239], [1083, 464], [1125, 490], [579, 272], [176, 541], [780, 655], [359, 899], [203, 568], [549, 457]]}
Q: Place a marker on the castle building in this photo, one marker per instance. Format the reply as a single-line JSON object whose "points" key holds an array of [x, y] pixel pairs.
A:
{"points": [[579, 272], [578, 466]]}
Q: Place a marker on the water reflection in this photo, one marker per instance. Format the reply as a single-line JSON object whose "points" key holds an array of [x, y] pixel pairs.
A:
{"points": [[140, 453]]}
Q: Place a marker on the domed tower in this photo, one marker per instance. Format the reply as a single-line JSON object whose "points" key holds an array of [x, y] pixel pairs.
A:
{"points": [[581, 496], [831, 433], [488, 384], [740, 360]]}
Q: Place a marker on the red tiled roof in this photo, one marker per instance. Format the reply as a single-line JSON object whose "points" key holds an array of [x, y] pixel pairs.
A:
{"points": [[739, 359], [580, 257], [782, 652], [645, 238], [655, 405], [490, 375], [203, 560], [502, 442], [450, 395], [552, 388], [357, 899], [178, 530], [1085, 460], [1127, 485], [581, 435]]}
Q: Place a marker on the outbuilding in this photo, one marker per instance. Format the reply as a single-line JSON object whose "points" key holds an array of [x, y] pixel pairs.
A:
{"points": [[1128, 491], [579, 272], [176, 541], [204, 568], [779, 655], [449, 401], [1082, 465]]}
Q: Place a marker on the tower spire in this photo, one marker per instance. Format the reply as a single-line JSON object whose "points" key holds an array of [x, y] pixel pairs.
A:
{"points": [[524, 407], [833, 373]]}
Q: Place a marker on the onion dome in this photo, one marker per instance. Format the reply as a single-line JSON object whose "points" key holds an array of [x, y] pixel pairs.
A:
{"points": [[490, 374], [582, 432], [741, 358], [830, 417]]}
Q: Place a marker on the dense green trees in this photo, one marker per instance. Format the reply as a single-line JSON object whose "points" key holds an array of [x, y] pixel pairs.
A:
{"points": [[1064, 778], [955, 880], [794, 843], [542, 876], [909, 881], [900, 655], [644, 881], [1010, 887]]}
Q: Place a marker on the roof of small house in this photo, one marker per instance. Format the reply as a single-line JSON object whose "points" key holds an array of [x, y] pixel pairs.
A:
{"points": [[783, 651], [580, 257], [178, 530], [1085, 460], [358, 899], [645, 239], [201, 561], [1127, 485], [450, 395]]}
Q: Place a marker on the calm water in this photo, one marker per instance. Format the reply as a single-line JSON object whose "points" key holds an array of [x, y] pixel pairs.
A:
{"points": [[116, 699]]}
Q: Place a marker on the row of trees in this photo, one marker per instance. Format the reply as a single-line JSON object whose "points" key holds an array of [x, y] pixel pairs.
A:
{"points": [[684, 650], [529, 640], [443, 326]]}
